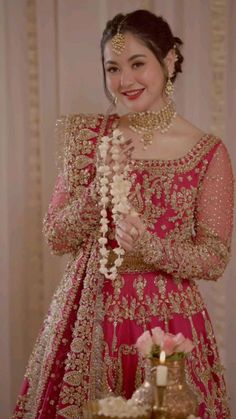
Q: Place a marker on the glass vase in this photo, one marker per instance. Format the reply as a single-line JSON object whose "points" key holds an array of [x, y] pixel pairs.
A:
{"points": [[180, 401]]}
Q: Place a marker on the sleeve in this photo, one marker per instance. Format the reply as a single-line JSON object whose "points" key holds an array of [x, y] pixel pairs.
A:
{"points": [[71, 218], [69, 221], [206, 254]]}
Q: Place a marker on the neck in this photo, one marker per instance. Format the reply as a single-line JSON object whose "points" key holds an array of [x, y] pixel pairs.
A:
{"points": [[157, 108]]}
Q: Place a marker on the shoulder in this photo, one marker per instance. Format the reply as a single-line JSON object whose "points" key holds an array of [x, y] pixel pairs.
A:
{"points": [[77, 136], [72, 123], [84, 126], [220, 154], [205, 142]]}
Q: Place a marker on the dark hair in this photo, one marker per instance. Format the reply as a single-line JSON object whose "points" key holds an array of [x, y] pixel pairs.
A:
{"points": [[152, 30]]}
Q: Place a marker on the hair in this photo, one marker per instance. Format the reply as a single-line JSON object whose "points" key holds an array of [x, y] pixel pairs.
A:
{"points": [[152, 30]]}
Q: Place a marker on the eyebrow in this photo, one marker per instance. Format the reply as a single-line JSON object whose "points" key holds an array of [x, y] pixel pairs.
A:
{"points": [[130, 59]]}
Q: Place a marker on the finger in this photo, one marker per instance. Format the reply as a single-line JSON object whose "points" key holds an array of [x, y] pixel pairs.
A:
{"points": [[122, 243], [129, 229], [124, 236], [128, 152], [127, 143], [134, 233], [133, 222]]}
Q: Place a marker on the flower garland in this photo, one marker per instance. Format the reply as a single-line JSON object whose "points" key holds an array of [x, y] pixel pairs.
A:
{"points": [[119, 190]]}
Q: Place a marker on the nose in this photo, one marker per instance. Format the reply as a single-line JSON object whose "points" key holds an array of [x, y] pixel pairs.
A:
{"points": [[126, 78]]}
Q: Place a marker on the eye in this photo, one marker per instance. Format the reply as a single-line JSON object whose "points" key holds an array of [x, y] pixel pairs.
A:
{"points": [[112, 69], [137, 64]]}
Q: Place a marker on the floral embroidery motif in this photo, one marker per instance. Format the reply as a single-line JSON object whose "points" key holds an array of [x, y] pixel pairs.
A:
{"points": [[87, 341]]}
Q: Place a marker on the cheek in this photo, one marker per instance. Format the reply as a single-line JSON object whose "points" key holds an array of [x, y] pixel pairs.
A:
{"points": [[154, 77], [112, 83]]}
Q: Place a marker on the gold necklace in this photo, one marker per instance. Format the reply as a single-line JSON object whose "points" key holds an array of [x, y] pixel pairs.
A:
{"points": [[145, 123]]}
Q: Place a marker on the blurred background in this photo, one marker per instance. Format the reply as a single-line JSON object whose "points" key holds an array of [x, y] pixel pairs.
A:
{"points": [[50, 65]]}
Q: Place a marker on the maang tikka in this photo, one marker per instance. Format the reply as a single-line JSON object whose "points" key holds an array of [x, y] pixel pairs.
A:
{"points": [[118, 40]]}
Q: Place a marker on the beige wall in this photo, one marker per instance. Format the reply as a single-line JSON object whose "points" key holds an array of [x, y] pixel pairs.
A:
{"points": [[49, 65]]}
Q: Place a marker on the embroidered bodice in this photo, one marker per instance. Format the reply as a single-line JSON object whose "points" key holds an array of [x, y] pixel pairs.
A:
{"points": [[186, 203], [86, 347]]}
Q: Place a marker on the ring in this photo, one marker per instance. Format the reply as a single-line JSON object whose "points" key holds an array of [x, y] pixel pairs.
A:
{"points": [[133, 232]]}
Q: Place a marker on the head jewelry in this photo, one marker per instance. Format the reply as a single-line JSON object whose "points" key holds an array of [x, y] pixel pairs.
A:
{"points": [[118, 40]]}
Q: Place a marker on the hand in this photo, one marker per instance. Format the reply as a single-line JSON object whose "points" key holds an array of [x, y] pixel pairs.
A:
{"points": [[129, 230]]}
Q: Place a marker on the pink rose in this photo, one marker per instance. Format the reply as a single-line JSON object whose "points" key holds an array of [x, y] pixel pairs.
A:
{"points": [[168, 344], [157, 335], [186, 346], [144, 343], [179, 338]]}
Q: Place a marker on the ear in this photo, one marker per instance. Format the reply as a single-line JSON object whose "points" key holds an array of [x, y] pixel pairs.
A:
{"points": [[169, 61]]}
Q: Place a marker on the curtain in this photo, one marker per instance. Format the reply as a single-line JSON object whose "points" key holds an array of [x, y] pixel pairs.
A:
{"points": [[49, 65]]}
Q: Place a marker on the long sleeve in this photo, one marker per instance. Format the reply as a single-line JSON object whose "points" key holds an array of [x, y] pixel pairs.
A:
{"points": [[73, 212], [69, 221], [206, 253]]}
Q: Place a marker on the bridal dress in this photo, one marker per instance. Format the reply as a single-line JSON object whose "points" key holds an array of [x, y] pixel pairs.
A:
{"points": [[86, 348]]}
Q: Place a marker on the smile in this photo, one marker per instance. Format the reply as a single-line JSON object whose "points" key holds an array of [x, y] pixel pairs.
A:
{"points": [[133, 94]]}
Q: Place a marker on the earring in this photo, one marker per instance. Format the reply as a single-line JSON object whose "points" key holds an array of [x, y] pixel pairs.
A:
{"points": [[169, 87], [112, 106]]}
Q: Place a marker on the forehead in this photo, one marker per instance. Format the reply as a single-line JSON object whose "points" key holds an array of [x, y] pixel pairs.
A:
{"points": [[133, 46]]}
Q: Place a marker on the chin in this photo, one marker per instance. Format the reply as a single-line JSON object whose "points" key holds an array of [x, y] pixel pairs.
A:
{"points": [[136, 107]]}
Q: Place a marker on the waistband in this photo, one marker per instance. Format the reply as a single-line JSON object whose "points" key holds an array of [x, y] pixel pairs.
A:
{"points": [[131, 263]]}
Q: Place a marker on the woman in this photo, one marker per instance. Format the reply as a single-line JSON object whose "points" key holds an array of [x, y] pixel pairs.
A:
{"points": [[180, 232]]}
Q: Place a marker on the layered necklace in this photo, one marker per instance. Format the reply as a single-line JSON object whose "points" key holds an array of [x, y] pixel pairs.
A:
{"points": [[145, 123]]}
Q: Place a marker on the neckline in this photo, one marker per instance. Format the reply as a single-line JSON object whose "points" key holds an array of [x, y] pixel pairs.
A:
{"points": [[183, 158]]}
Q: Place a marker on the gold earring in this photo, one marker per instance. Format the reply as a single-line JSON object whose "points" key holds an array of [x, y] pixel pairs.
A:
{"points": [[169, 87], [115, 100]]}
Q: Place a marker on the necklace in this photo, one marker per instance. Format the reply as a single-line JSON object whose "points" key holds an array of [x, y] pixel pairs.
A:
{"points": [[145, 123]]}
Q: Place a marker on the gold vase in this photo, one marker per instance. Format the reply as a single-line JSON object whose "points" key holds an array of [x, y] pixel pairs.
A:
{"points": [[180, 401]]}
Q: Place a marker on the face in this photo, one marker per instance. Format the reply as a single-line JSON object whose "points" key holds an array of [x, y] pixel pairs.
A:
{"points": [[136, 76]]}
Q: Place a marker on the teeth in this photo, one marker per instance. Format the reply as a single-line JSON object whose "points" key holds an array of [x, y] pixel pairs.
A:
{"points": [[133, 93]]}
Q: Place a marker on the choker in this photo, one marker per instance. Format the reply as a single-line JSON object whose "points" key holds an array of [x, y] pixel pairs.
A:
{"points": [[145, 123]]}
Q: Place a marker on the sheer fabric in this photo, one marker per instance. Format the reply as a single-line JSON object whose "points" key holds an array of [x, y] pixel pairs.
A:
{"points": [[69, 221], [86, 347], [205, 254]]}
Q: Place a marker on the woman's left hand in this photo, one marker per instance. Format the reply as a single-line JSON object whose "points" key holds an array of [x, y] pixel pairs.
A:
{"points": [[129, 230]]}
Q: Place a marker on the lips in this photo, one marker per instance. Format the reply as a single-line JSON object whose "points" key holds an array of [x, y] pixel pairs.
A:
{"points": [[133, 94]]}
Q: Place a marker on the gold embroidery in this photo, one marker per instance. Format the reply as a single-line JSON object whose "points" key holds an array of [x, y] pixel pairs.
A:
{"points": [[70, 412], [166, 194], [147, 306], [139, 284]]}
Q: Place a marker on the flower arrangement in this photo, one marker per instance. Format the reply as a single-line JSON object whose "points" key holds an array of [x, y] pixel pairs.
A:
{"points": [[152, 343], [118, 188]]}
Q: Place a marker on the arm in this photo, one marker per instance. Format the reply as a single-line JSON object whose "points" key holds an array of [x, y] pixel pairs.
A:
{"points": [[205, 255], [69, 221], [73, 211]]}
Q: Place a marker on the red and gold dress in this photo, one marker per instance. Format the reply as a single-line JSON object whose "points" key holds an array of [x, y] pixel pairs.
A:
{"points": [[86, 346]]}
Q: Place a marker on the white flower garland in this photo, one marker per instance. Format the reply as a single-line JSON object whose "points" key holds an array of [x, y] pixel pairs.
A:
{"points": [[119, 190]]}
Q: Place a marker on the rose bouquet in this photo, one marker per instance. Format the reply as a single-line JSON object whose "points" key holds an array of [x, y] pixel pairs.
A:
{"points": [[151, 343]]}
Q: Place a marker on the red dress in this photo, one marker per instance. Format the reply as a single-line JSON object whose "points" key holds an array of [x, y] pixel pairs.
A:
{"points": [[86, 345]]}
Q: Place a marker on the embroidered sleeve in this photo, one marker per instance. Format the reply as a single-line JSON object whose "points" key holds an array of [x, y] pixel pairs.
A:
{"points": [[69, 221], [73, 212], [206, 254]]}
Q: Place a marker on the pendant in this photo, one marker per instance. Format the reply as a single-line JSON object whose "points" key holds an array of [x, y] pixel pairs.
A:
{"points": [[147, 139]]}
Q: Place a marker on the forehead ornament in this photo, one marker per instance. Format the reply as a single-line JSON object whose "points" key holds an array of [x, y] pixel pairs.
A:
{"points": [[118, 40]]}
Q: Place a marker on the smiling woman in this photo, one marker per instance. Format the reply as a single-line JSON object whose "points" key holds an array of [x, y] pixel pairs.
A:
{"points": [[178, 231]]}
